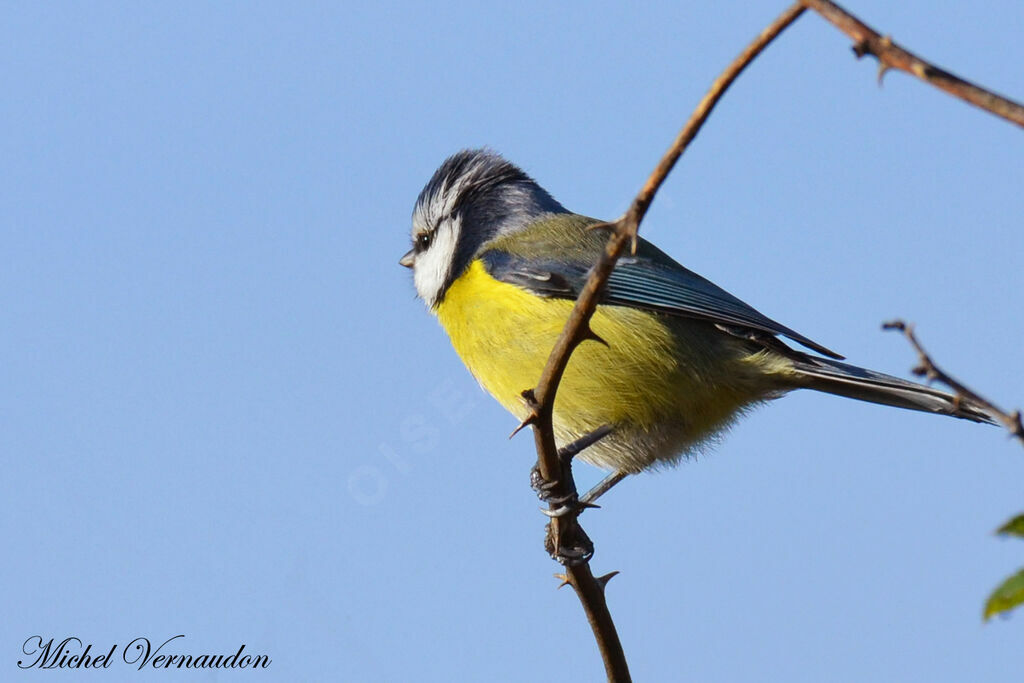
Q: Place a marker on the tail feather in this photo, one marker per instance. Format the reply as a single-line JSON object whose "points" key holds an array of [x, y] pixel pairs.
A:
{"points": [[833, 377]]}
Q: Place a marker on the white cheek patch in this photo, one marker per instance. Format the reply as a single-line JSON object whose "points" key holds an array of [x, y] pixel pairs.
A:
{"points": [[434, 265]]}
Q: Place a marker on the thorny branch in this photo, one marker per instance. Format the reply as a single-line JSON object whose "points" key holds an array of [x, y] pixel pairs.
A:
{"points": [[867, 41], [565, 527], [541, 400], [927, 368]]}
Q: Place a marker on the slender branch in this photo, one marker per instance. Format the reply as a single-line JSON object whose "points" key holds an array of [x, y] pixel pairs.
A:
{"points": [[590, 589], [867, 41], [929, 370], [540, 400]]}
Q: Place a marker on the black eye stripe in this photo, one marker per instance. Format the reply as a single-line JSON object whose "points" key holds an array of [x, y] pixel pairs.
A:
{"points": [[422, 241]]}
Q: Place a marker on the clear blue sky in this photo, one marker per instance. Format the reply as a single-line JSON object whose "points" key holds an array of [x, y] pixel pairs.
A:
{"points": [[223, 413]]}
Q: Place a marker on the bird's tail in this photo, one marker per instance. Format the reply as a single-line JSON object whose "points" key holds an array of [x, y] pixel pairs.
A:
{"points": [[833, 377]]}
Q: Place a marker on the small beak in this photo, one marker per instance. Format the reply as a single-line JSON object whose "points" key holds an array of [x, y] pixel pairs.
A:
{"points": [[408, 260]]}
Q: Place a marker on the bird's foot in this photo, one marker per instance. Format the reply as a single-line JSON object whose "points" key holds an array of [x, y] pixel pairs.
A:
{"points": [[545, 488], [559, 504], [566, 541], [572, 547]]}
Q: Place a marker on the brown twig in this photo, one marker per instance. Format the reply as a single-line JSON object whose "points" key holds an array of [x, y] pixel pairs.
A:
{"points": [[867, 41], [929, 370], [590, 589]]}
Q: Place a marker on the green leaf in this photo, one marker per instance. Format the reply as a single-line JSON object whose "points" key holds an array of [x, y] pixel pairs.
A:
{"points": [[1015, 527], [1007, 596]]}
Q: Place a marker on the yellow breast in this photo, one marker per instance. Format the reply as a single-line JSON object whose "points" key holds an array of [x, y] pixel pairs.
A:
{"points": [[666, 384], [505, 334]]}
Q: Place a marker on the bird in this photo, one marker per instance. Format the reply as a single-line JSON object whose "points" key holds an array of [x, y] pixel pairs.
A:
{"points": [[500, 262]]}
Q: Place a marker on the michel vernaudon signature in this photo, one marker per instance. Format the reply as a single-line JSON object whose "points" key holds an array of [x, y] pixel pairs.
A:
{"points": [[72, 653]]}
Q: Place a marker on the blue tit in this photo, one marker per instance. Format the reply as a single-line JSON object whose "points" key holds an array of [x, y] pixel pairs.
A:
{"points": [[500, 263]]}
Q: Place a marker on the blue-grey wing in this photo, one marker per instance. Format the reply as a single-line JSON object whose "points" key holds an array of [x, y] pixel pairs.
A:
{"points": [[656, 284]]}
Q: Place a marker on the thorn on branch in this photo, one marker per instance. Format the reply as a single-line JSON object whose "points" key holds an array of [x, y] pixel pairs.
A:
{"points": [[530, 419], [588, 333], [868, 41], [564, 580], [883, 69], [603, 580], [530, 401]]}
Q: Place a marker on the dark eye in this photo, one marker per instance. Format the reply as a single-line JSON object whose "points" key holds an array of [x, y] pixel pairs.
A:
{"points": [[422, 242]]}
